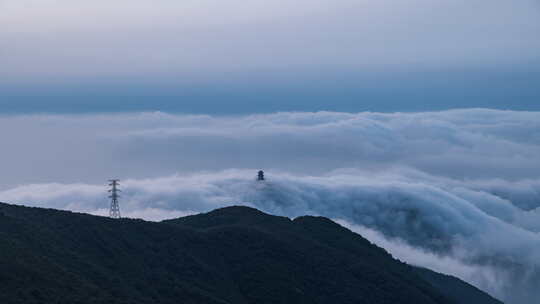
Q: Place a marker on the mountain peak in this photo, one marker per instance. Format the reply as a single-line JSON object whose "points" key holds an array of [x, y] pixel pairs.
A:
{"points": [[237, 210]]}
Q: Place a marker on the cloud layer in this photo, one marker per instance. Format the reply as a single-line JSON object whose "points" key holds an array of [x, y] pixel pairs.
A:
{"points": [[457, 229], [457, 191], [458, 144], [193, 41]]}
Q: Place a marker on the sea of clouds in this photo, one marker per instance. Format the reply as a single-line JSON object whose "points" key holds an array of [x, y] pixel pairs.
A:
{"points": [[456, 191]]}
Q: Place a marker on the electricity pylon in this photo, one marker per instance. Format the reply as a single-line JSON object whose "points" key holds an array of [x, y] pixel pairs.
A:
{"points": [[114, 212]]}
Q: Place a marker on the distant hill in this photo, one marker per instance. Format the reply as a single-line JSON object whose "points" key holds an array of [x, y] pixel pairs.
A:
{"points": [[232, 255]]}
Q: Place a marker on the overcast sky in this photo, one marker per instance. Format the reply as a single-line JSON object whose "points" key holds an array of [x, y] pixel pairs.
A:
{"points": [[265, 56], [349, 105]]}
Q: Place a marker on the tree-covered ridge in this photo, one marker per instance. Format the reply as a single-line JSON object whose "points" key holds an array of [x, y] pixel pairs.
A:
{"points": [[231, 255]]}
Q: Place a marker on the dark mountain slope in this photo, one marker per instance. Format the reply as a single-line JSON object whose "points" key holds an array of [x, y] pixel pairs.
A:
{"points": [[231, 255], [454, 288]]}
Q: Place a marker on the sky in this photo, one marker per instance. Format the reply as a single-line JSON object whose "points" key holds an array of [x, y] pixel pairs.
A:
{"points": [[413, 122], [264, 56]]}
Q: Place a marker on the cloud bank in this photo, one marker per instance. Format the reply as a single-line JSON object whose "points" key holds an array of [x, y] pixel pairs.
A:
{"points": [[457, 191], [459, 230], [459, 144]]}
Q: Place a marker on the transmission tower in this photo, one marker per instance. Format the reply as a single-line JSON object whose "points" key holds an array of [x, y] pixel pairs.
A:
{"points": [[114, 212]]}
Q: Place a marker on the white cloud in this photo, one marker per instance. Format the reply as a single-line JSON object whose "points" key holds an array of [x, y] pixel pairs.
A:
{"points": [[460, 144], [485, 277], [452, 190], [478, 237]]}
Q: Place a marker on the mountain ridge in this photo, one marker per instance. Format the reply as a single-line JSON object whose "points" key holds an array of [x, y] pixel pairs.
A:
{"points": [[229, 255]]}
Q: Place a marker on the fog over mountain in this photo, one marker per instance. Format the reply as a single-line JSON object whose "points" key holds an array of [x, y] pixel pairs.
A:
{"points": [[431, 175], [457, 191]]}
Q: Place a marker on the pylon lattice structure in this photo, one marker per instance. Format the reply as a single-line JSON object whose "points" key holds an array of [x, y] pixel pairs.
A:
{"points": [[114, 212]]}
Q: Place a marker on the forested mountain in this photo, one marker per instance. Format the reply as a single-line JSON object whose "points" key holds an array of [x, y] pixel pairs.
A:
{"points": [[232, 255]]}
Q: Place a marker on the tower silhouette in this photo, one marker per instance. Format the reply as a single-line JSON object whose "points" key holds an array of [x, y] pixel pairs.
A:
{"points": [[114, 212], [260, 175]]}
